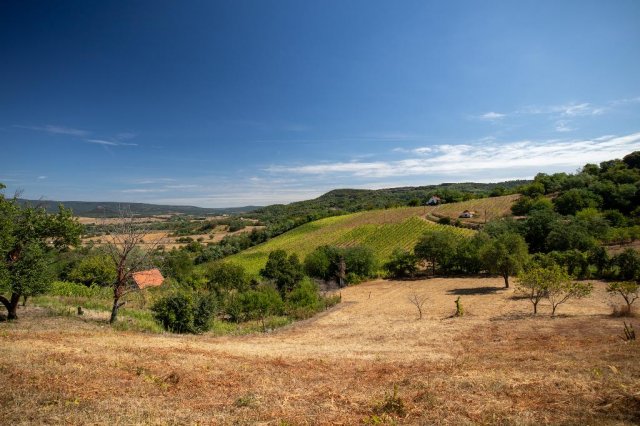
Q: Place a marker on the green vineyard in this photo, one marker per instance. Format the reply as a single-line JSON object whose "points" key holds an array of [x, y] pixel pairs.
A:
{"points": [[381, 230]]}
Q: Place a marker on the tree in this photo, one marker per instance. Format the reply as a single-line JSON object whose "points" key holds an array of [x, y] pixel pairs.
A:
{"points": [[505, 255], [629, 290], [628, 263], [576, 199], [285, 272], [402, 264], [438, 247], [93, 269], [553, 283], [632, 160], [126, 253], [260, 303], [176, 264], [563, 289], [184, 312], [226, 276], [328, 263], [599, 257], [29, 237], [533, 284], [418, 301]]}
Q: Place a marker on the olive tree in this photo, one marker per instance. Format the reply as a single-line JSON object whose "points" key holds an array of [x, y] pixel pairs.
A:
{"points": [[29, 238], [629, 290], [505, 254]]}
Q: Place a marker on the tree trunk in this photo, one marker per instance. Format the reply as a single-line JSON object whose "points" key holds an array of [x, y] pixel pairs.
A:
{"points": [[535, 308], [24, 300], [506, 280], [11, 305], [114, 310]]}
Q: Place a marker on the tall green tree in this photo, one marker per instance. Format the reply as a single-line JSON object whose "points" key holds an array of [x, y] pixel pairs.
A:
{"points": [[29, 237], [505, 254], [437, 247], [284, 271]]}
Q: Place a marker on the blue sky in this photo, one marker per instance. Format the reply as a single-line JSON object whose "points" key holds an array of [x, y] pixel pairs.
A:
{"points": [[232, 103]]}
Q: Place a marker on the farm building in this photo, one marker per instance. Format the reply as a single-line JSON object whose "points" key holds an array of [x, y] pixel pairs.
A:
{"points": [[435, 200], [148, 278], [466, 214]]}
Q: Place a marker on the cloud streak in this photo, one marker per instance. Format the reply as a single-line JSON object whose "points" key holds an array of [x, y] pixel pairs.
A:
{"points": [[57, 130], [109, 143], [452, 160]]}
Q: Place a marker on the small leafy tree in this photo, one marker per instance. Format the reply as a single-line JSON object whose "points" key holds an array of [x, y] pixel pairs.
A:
{"points": [[560, 291], [329, 263], [29, 237], [402, 264], [533, 283], [176, 264], [260, 303], [628, 263], [226, 276], [438, 247], [505, 254], [284, 271], [184, 312], [93, 269], [304, 300], [629, 290]]}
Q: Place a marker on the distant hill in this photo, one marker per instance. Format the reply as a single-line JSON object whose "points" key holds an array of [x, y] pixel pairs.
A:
{"points": [[353, 200], [111, 208], [333, 202]]}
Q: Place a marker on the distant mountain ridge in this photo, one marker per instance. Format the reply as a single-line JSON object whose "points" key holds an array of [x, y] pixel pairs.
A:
{"points": [[347, 200], [353, 200], [112, 208]]}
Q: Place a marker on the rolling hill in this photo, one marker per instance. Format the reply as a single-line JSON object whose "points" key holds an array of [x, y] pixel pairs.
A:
{"points": [[354, 200], [111, 208], [381, 230]]}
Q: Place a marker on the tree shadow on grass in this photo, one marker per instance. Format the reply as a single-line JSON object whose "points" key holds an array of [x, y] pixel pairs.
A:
{"points": [[474, 291]]}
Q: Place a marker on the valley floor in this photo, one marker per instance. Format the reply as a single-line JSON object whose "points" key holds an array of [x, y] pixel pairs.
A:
{"points": [[495, 365]]}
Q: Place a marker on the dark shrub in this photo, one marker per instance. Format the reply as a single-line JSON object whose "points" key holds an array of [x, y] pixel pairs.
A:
{"points": [[184, 312]]}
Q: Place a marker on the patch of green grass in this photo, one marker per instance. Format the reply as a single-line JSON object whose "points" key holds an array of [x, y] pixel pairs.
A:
{"points": [[223, 328]]}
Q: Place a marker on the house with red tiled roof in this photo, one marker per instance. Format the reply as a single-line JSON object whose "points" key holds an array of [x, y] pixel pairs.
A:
{"points": [[148, 278]]}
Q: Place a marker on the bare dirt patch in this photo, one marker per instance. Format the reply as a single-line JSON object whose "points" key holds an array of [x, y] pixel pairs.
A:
{"points": [[495, 365]]}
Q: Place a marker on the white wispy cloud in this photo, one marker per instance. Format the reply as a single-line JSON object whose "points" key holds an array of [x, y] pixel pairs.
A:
{"points": [[183, 186], [492, 116], [143, 190], [41, 177], [109, 143], [563, 126], [482, 159], [57, 130]]}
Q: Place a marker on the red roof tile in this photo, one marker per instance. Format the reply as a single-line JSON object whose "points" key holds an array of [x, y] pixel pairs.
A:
{"points": [[150, 278]]}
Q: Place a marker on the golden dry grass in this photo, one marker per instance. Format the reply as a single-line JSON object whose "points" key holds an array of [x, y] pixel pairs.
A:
{"points": [[495, 365], [485, 209], [155, 238]]}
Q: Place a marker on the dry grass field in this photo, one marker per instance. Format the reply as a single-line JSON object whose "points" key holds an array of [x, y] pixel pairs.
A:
{"points": [[495, 365], [156, 238]]}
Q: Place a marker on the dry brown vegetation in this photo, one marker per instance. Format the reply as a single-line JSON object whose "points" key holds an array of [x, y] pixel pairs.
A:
{"points": [[163, 238], [495, 365]]}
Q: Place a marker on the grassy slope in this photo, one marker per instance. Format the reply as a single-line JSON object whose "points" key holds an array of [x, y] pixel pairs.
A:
{"points": [[381, 230]]}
